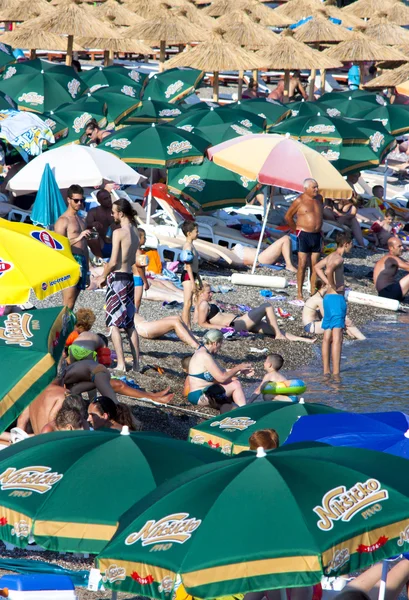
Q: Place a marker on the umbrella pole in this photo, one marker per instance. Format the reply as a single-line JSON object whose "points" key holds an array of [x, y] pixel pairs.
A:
{"points": [[162, 53], [148, 212], [33, 53], [70, 44], [361, 76], [267, 211], [286, 86], [313, 77], [106, 58], [322, 77], [382, 583], [240, 85], [216, 86], [385, 180]]}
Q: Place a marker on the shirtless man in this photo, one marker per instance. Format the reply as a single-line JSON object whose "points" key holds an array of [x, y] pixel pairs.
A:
{"points": [[43, 409], [73, 227], [296, 87], [118, 277], [308, 208], [386, 269], [101, 219], [334, 305]]}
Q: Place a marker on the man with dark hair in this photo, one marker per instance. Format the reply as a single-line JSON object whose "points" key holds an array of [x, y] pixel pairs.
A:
{"points": [[72, 226], [118, 277], [69, 419], [386, 270], [100, 219], [335, 307]]}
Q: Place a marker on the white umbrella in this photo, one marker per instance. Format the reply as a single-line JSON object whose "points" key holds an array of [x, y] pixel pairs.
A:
{"points": [[74, 164]]}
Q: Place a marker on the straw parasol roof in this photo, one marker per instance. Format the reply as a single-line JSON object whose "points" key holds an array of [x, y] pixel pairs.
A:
{"points": [[360, 48], [298, 9], [268, 16], [189, 11], [382, 30], [31, 37], [117, 43], [25, 10], [321, 30], [288, 54], [365, 9], [398, 13], [332, 10], [390, 78], [116, 14], [143, 8], [240, 29]]}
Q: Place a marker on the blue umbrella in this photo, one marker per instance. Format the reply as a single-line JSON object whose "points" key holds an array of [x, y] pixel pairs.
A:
{"points": [[386, 432], [49, 204]]}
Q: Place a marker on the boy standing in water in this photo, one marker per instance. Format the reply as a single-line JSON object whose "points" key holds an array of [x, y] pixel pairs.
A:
{"points": [[335, 308], [190, 275]]}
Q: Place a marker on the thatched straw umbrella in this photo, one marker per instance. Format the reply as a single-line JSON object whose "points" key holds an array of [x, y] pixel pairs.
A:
{"points": [[25, 10], [242, 30], [143, 8], [70, 19], [360, 49], [288, 54], [299, 9], [347, 20], [116, 43], [166, 28], [31, 37], [189, 11], [267, 16], [115, 13], [365, 9], [390, 79], [398, 13], [216, 54], [382, 30]]}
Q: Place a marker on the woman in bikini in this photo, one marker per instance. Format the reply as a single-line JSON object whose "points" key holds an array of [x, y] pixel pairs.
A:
{"points": [[204, 371], [152, 330], [344, 212], [313, 312], [208, 315]]}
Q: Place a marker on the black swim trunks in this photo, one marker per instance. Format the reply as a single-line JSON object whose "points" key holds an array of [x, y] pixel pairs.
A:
{"points": [[309, 242], [392, 291]]}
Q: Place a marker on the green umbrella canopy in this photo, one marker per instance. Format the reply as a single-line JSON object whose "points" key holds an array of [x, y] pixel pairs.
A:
{"points": [[173, 85], [121, 101], [270, 110], [218, 116], [6, 102], [73, 504], [262, 522], [75, 116], [332, 129], [394, 117], [348, 159], [201, 106], [354, 108], [155, 145], [39, 86], [6, 55], [153, 111], [216, 134], [305, 109], [208, 186], [229, 434], [365, 95], [114, 75], [31, 345]]}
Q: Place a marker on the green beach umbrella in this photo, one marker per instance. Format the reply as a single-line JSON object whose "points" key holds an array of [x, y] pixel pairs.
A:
{"points": [[394, 117], [6, 102], [6, 55], [78, 484], [208, 186], [114, 75], [200, 106], [216, 134], [348, 159], [31, 345], [346, 106], [261, 522], [121, 101], [305, 109], [39, 86], [173, 85], [220, 116], [229, 434], [75, 117], [153, 111], [365, 95], [271, 110], [155, 145]]}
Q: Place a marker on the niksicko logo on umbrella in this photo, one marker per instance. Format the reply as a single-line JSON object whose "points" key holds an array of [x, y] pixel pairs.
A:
{"points": [[32, 479], [176, 528], [341, 504], [16, 329], [233, 423], [47, 239]]}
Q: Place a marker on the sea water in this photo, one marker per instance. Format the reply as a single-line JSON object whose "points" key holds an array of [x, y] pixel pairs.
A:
{"points": [[374, 372]]}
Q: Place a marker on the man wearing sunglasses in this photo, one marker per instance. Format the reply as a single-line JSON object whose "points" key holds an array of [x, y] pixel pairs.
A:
{"points": [[72, 226]]}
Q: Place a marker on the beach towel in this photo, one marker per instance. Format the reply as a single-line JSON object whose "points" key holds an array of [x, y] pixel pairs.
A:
{"points": [[120, 306]]}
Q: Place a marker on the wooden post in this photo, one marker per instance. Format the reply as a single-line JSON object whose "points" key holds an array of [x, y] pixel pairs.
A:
{"points": [[216, 86], [106, 58], [286, 86], [70, 44], [361, 76], [255, 77], [33, 53], [111, 57], [240, 85], [312, 85], [322, 77], [162, 55]]}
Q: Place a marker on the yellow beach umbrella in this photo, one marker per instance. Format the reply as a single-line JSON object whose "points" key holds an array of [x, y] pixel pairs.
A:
{"points": [[32, 258]]}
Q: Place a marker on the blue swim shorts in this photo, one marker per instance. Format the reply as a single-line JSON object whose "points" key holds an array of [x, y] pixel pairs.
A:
{"points": [[83, 263], [137, 281], [335, 311]]}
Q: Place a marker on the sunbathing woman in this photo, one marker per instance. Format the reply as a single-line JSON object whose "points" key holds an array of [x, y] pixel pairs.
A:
{"points": [[313, 312], [103, 413], [269, 256], [204, 371], [210, 316], [152, 330]]}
